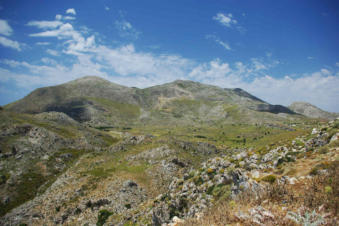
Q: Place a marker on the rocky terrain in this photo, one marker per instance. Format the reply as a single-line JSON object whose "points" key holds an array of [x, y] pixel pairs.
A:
{"points": [[90, 152]]}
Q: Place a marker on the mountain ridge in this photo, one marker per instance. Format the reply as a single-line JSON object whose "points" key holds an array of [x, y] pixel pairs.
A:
{"points": [[98, 102], [311, 111]]}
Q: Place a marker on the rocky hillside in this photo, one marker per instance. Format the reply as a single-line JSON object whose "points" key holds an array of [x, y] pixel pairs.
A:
{"points": [[165, 176], [35, 150], [311, 111], [90, 152], [99, 103]]}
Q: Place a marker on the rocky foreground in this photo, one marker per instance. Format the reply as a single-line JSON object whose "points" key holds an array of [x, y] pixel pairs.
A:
{"points": [[142, 180]]}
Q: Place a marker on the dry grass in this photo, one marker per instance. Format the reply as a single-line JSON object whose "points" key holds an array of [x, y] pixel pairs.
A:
{"points": [[320, 193]]}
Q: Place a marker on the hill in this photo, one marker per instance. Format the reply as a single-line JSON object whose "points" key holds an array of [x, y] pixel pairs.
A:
{"points": [[311, 111]]}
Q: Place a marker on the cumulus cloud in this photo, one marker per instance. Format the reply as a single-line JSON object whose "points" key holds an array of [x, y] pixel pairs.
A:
{"points": [[65, 30], [71, 11], [126, 61], [49, 73], [5, 29], [225, 19], [10, 43], [75, 41], [126, 65]]}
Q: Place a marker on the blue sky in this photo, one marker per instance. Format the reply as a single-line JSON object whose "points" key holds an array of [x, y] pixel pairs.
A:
{"points": [[280, 51]]}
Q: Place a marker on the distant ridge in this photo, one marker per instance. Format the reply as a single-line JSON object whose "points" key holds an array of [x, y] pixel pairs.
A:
{"points": [[311, 111]]}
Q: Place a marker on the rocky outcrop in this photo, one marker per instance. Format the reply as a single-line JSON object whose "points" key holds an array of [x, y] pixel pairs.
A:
{"points": [[198, 189]]}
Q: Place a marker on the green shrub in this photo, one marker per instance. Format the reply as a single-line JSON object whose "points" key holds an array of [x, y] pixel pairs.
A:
{"points": [[197, 180], [323, 150], [103, 215], [270, 179], [328, 189], [210, 170], [210, 190]]}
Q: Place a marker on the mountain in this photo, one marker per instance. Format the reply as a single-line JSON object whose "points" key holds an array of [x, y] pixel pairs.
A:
{"points": [[91, 152], [311, 111], [98, 102]]}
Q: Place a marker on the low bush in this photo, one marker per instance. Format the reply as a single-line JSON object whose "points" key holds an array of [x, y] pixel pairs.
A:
{"points": [[103, 215], [270, 179]]}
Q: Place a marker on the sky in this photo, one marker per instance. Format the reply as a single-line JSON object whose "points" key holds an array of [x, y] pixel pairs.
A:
{"points": [[280, 51]]}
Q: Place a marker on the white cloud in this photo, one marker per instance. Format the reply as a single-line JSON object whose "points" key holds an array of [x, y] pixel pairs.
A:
{"points": [[52, 52], [258, 65], [5, 29], [71, 11], [42, 43], [63, 31], [49, 61], [337, 64], [107, 8], [212, 70], [127, 61], [75, 41], [45, 24], [128, 66], [49, 73], [61, 17], [224, 44], [225, 19], [69, 18], [217, 40], [126, 30], [58, 17], [10, 43]]}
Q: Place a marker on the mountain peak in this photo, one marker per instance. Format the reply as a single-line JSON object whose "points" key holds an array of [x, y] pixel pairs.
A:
{"points": [[89, 78]]}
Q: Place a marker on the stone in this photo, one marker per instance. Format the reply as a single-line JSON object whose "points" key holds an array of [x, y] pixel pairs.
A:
{"points": [[255, 174], [334, 137], [130, 183]]}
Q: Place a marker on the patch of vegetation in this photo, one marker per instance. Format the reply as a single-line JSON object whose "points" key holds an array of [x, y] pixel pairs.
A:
{"points": [[323, 150], [269, 178], [4, 176], [210, 171], [25, 190], [104, 128], [322, 166], [120, 110], [103, 215], [198, 180]]}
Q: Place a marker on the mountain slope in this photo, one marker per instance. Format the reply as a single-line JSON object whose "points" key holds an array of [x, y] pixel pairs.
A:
{"points": [[98, 102], [311, 111]]}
